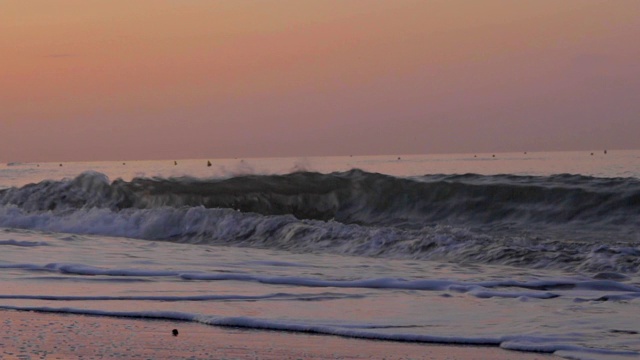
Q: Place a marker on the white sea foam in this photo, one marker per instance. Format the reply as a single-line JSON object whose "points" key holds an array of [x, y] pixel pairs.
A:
{"points": [[536, 289], [228, 227]]}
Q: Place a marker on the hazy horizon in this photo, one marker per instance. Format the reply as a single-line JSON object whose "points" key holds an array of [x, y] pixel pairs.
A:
{"points": [[89, 80], [398, 156]]}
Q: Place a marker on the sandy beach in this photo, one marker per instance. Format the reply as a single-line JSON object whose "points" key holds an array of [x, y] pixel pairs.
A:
{"points": [[30, 335]]}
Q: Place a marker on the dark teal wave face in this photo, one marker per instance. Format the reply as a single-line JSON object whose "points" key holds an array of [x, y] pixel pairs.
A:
{"points": [[358, 197]]}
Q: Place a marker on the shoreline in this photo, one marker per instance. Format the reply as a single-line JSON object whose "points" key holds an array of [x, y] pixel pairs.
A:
{"points": [[68, 336]]}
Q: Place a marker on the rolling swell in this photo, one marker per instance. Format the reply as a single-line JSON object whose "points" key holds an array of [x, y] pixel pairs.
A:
{"points": [[357, 197]]}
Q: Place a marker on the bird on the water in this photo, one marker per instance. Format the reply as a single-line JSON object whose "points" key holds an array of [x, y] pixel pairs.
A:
{"points": [[175, 332]]}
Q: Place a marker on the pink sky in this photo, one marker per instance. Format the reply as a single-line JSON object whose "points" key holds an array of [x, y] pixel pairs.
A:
{"points": [[171, 79]]}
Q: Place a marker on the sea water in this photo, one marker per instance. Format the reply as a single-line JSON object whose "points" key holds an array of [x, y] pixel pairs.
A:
{"points": [[530, 251]]}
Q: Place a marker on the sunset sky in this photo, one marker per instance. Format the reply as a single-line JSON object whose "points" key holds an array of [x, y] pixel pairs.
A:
{"points": [[171, 79]]}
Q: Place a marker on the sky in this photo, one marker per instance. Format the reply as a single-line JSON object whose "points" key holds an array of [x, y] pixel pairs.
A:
{"points": [[88, 80]]}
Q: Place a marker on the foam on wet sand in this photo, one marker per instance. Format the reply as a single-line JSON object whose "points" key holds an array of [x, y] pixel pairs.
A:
{"points": [[62, 336]]}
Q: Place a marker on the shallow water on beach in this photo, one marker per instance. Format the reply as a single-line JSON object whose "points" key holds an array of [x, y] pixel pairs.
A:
{"points": [[531, 252]]}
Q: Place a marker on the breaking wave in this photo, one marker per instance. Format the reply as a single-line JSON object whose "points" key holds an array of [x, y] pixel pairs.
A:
{"points": [[357, 197], [562, 221]]}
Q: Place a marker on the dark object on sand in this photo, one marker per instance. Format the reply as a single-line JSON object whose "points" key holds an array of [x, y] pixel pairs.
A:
{"points": [[208, 163], [174, 332]]}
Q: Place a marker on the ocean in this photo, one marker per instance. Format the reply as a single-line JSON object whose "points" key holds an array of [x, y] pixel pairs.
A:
{"points": [[536, 252]]}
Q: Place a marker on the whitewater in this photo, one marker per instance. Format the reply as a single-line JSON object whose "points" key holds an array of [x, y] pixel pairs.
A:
{"points": [[535, 252]]}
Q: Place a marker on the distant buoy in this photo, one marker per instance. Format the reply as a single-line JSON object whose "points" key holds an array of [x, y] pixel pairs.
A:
{"points": [[493, 156], [591, 154], [124, 164], [605, 152], [174, 332], [208, 163], [175, 163], [398, 157], [60, 164]]}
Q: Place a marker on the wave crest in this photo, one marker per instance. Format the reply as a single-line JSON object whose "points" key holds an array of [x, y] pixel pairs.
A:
{"points": [[358, 197]]}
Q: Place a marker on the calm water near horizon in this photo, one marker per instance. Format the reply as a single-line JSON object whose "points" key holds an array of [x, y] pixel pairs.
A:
{"points": [[529, 252]]}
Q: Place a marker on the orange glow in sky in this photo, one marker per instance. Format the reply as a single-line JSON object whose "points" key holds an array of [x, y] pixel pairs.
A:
{"points": [[112, 80]]}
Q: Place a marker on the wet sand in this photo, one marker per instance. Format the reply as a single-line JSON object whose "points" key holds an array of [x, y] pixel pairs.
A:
{"points": [[31, 335]]}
